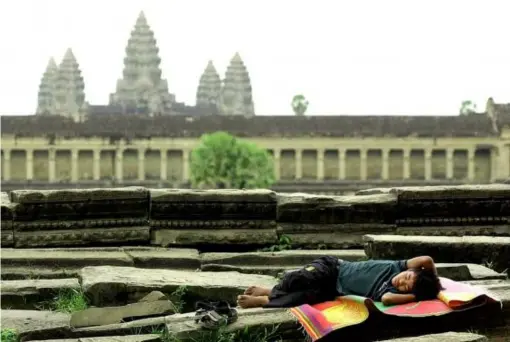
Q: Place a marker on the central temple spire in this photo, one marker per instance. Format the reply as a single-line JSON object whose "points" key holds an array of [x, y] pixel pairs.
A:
{"points": [[141, 89], [236, 97]]}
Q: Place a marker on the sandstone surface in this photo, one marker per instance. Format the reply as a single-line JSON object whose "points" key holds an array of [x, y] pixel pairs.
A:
{"points": [[6, 231], [318, 209], [494, 251], [33, 324], [106, 284], [31, 292], [118, 314]]}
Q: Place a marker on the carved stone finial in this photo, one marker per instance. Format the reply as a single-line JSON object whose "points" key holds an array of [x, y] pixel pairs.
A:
{"points": [[46, 94], [209, 89], [237, 92], [142, 73]]}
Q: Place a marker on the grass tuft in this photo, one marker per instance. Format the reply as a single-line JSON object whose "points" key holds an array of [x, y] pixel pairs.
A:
{"points": [[8, 335], [177, 298], [67, 301]]}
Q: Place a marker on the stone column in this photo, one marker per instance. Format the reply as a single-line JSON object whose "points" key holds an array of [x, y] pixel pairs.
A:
{"points": [[185, 165], [119, 161], [74, 166], [141, 164], [428, 164], [341, 164], [276, 161], [7, 165], [299, 163], [449, 163], [407, 164], [30, 164], [51, 165], [471, 164], [163, 166], [320, 164], [96, 171], [363, 164], [385, 164]]}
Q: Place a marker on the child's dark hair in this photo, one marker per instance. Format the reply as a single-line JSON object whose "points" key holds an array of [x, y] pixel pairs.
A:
{"points": [[427, 285]]}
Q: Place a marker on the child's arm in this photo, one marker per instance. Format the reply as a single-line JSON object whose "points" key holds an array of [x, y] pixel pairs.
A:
{"points": [[397, 298], [424, 262]]}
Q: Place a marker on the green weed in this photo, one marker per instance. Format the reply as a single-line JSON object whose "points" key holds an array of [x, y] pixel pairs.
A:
{"points": [[8, 335], [177, 297], [67, 301], [284, 244]]}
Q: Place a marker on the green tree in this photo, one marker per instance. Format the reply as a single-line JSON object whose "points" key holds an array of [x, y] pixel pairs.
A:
{"points": [[467, 107], [299, 104], [224, 161]]}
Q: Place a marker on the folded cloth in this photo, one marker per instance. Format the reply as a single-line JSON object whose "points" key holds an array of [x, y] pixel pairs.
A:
{"points": [[321, 319]]}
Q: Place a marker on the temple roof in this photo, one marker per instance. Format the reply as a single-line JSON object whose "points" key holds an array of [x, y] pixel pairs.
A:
{"points": [[136, 126]]}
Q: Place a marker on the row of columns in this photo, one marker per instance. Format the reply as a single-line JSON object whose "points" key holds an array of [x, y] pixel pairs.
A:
{"points": [[276, 154], [96, 160], [385, 164]]}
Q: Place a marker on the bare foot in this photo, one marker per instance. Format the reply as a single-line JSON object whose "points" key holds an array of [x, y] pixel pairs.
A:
{"points": [[257, 291], [246, 302]]}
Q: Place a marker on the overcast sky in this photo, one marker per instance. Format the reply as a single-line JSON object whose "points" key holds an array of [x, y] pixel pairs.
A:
{"points": [[347, 57]]}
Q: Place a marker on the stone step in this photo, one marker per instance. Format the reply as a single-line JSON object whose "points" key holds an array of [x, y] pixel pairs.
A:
{"points": [[443, 337], [289, 257], [104, 284], [489, 250], [66, 262], [45, 325], [28, 294]]}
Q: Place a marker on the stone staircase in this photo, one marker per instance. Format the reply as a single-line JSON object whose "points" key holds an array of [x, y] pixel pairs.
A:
{"points": [[116, 246]]}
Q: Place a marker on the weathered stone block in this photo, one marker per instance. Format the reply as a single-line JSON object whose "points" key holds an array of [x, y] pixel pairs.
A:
{"points": [[81, 217], [189, 205], [6, 231], [342, 235], [27, 294], [205, 237], [455, 230], [306, 208], [252, 321], [118, 314], [270, 263], [493, 251], [110, 285], [30, 324]]}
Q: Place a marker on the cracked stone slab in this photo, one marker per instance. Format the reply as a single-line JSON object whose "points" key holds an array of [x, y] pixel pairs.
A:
{"points": [[104, 284], [26, 293], [30, 324]]}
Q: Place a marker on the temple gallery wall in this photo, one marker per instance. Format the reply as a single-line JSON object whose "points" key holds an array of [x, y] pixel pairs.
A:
{"points": [[294, 159]]}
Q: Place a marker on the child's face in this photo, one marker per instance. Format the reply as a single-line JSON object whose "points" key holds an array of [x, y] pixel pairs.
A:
{"points": [[404, 282]]}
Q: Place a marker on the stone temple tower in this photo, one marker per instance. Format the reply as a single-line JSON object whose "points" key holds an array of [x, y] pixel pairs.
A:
{"points": [[46, 94], [62, 89], [141, 89], [209, 90], [236, 95]]}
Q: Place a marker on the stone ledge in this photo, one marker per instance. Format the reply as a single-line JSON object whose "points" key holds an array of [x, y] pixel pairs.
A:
{"points": [[104, 284], [473, 249], [25, 294]]}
